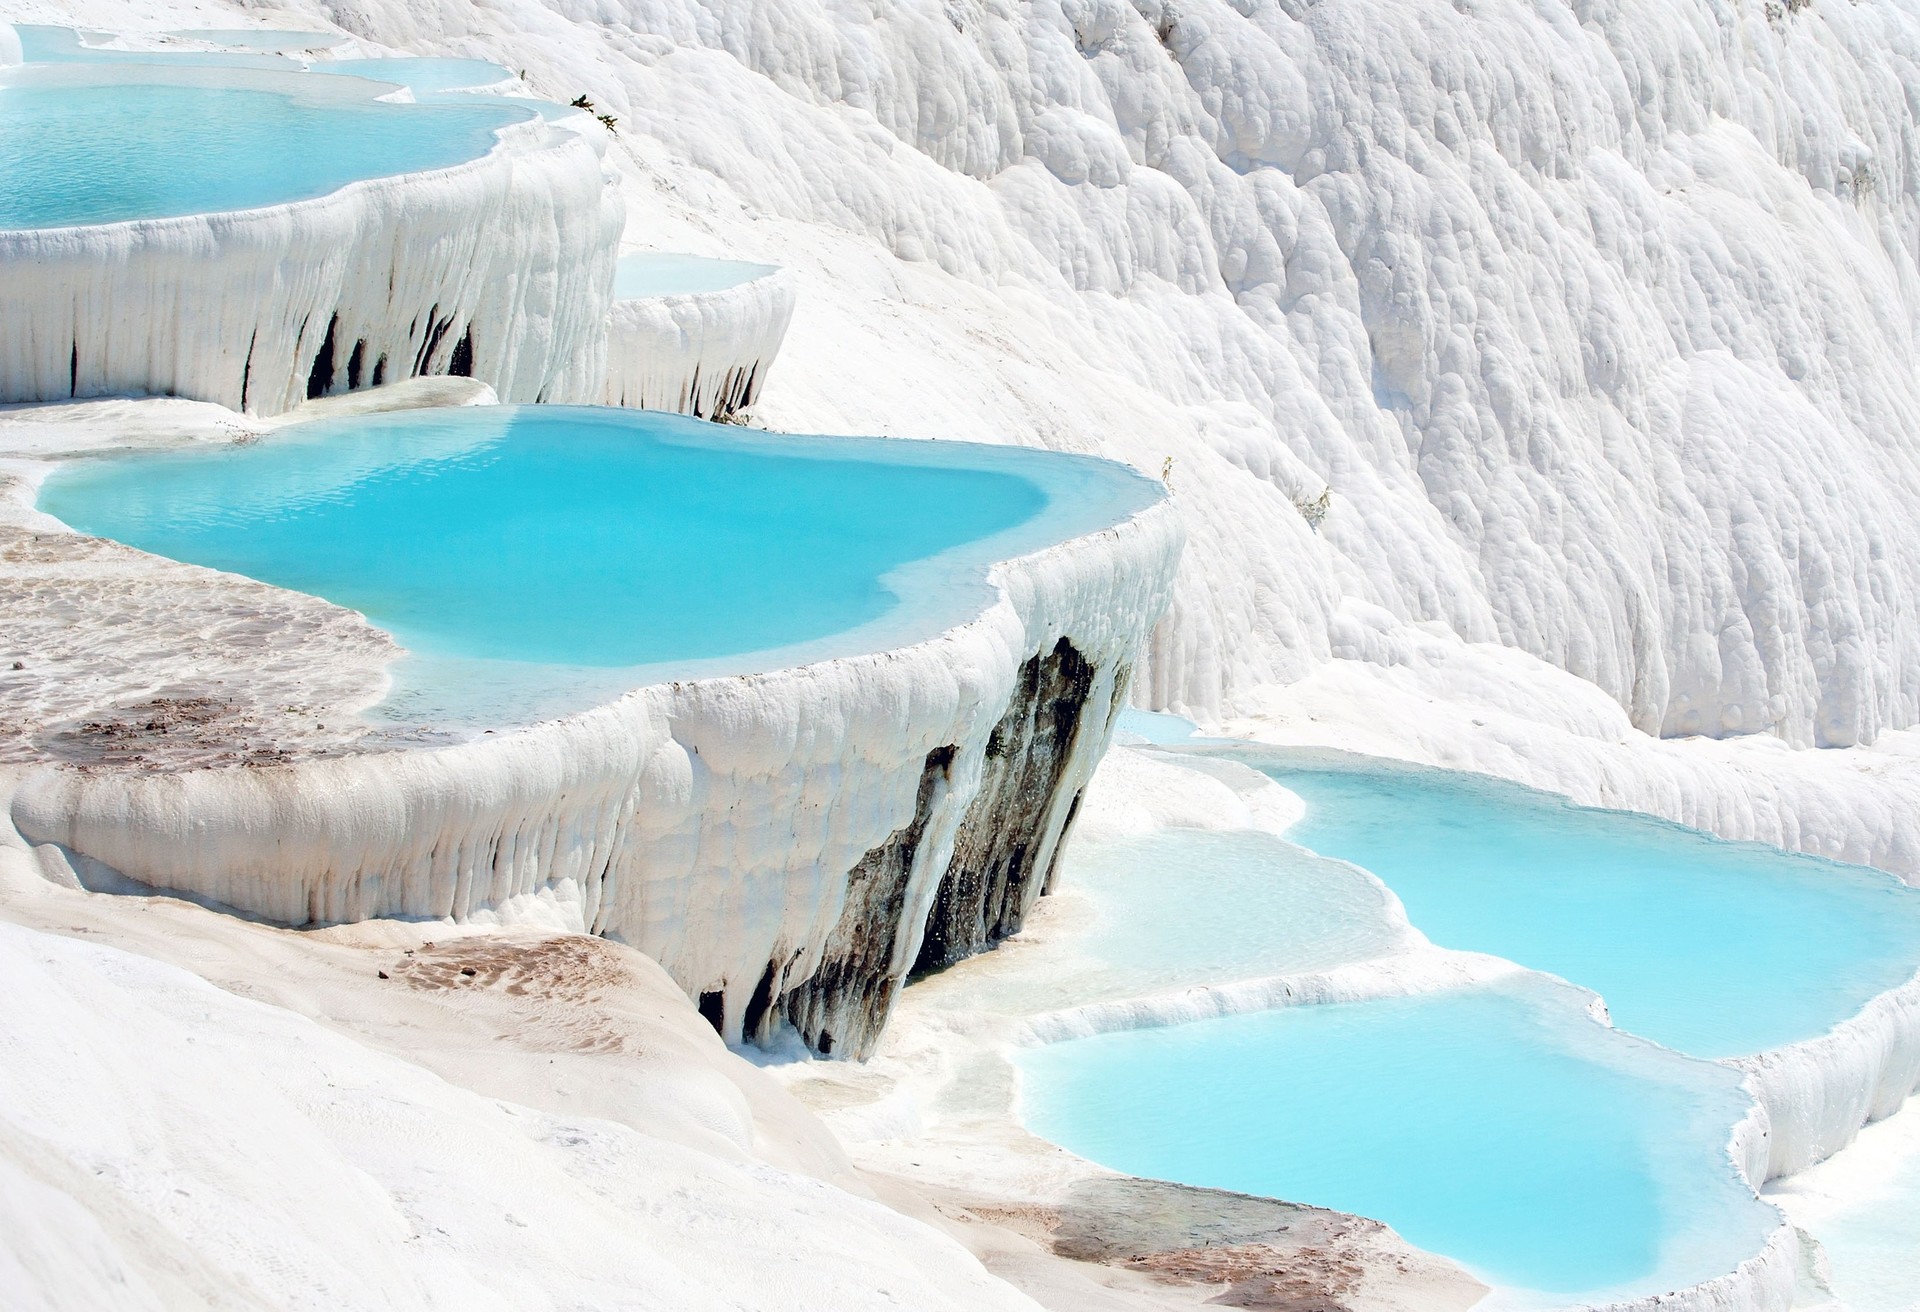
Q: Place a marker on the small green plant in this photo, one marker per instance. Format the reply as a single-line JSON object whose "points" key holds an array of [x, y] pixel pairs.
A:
{"points": [[1315, 511], [608, 121]]}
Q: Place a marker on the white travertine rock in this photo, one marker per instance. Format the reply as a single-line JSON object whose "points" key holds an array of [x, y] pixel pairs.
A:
{"points": [[699, 353], [712, 823], [505, 260], [1820, 1093], [559, 1131]]}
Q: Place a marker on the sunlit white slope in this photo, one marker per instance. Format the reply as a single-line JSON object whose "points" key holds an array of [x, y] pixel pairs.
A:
{"points": [[166, 1144]]}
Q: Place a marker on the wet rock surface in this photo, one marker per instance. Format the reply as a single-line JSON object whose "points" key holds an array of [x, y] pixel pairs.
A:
{"points": [[1269, 1254], [1235, 1250], [841, 1008], [1005, 848], [1003, 855], [112, 657]]}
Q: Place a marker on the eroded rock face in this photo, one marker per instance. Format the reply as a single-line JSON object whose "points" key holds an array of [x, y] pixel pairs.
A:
{"points": [[1005, 839], [843, 1005], [1004, 852], [497, 269], [704, 353]]}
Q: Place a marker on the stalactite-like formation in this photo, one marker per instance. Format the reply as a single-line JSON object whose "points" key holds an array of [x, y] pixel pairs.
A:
{"points": [[704, 354], [262, 309]]}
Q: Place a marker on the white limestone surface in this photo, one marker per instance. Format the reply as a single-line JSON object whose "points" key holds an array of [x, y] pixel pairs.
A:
{"points": [[510, 253], [701, 353], [166, 1143], [1860, 1212], [1819, 1094]]}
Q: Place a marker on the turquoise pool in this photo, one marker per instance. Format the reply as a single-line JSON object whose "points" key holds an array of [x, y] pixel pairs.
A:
{"points": [[1497, 1125], [1712, 948], [100, 143], [536, 539], [652, 273]]}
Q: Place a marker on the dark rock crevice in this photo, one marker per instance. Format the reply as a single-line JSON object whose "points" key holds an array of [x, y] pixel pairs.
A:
{"points": [[461, 366], [320, 380], [437, 330], [1003, 854], [842, 1006], [1002, 859], [713, 1009], [246, 369]]}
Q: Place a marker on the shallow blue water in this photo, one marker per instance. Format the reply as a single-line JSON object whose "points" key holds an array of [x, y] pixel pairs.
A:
{"points": [[1715, 949], [84, 143], [1496, 1125], [420, 74], [1153, 727], [654, 273], [618, 539], [43, 44], [266, 40], [1158, 913]]}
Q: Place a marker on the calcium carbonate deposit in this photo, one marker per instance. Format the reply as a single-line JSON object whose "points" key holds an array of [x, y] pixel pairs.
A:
{"points": [[1595, 325], [694, 335], [1530, 389]]}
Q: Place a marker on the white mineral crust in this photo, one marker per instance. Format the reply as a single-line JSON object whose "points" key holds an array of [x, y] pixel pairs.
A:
{"points": [[698, 353], [1591, 329], [554, 1128], [510, 253]]}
